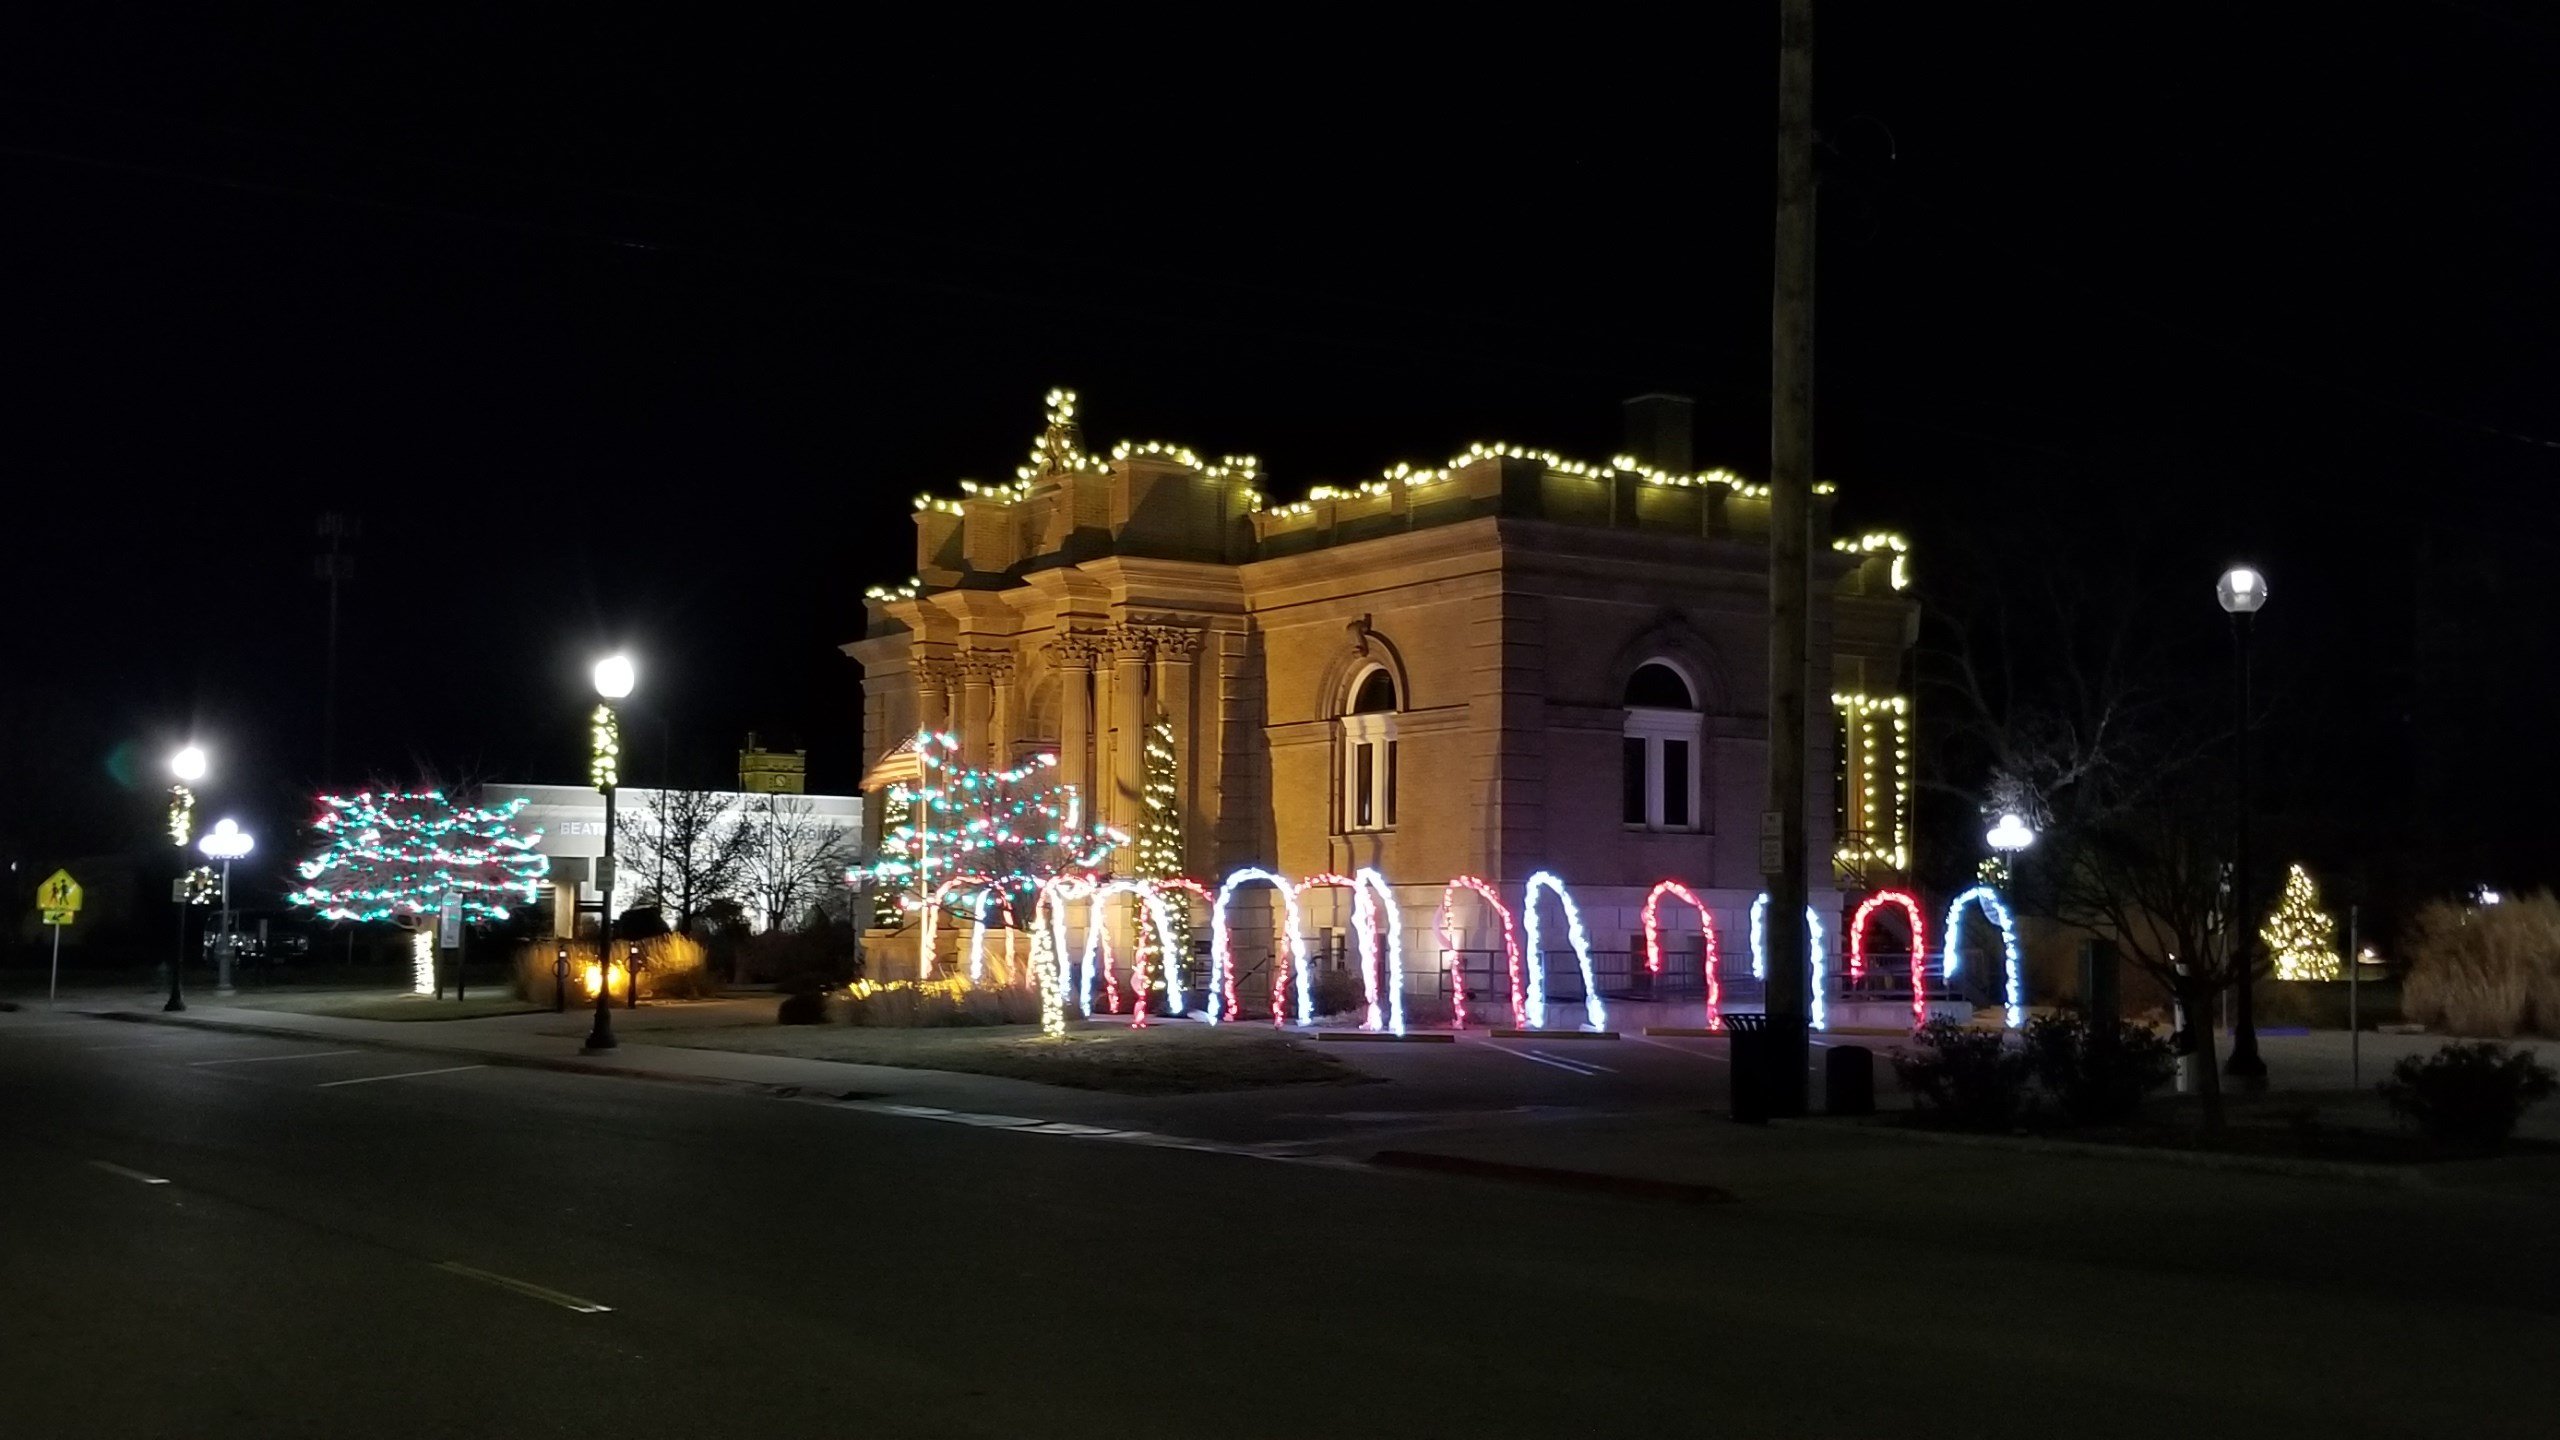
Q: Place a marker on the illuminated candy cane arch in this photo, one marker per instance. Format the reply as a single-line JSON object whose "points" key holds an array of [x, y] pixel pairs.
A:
{"points": [[1706, 926], [1996, 910], [1371, 898], [1820, 1004], [1510, 948], [1222, 960], [1097, 948], [1049, 947], [1910, 907], [1591, 1002]]}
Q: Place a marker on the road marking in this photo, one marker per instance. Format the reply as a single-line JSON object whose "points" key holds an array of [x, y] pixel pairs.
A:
{"points": [[144, 1044], [1570, 1067], [1708, 1056], [543, 1293], [1585, 1064], [403, 1075], [113, 1168], [262, 1059]]}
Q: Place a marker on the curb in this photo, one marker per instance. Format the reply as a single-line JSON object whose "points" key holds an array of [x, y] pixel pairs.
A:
{"points": [[375, 1042], [1635, 1187], [1380, 1037], [2405, 1176], [1512, 1034], [1690, 1032]]}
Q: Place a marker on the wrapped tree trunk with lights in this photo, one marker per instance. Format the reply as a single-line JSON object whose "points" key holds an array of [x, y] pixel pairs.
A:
{"points": [[1159, 842]]}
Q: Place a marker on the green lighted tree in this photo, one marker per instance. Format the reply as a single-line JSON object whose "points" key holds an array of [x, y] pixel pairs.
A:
{"points": [[1159, 842], [2301, 938]]}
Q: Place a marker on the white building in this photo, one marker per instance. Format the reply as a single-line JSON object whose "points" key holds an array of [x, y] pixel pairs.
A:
{"points": [[570, 822]]}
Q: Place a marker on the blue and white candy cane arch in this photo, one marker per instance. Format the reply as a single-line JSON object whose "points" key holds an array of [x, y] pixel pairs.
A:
{"points": [[1592, 1006], [1818, 1003], [1222, 964], [1995, 910]]}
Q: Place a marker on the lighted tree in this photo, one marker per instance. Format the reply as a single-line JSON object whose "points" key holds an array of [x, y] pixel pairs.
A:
{"points": [[2301, 938], [1015, 827], [1159, 842], [397, 856]]}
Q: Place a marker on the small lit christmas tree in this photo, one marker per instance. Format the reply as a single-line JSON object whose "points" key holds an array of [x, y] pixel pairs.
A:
{"points": [[1160, 842], [2301, 938]]}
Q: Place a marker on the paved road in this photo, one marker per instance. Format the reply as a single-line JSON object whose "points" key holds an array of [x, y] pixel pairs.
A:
{"points": [[222, 1235]]}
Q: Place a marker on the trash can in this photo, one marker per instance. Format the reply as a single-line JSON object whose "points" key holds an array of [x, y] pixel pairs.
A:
{"points": [[1749, 1070], [1848, 1080]]}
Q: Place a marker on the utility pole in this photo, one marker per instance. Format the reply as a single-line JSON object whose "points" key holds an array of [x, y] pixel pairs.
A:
{"points": [[333, 567], [1782, 840]]}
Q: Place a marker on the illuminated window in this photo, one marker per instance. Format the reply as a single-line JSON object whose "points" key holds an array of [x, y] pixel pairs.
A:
{"points": [[1369, 753], [1658, 781]]}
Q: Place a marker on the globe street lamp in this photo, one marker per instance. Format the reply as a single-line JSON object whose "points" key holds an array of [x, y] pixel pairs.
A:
{"points": [[2242, 590], [614, 678], [226, 842], [189, 766], [2007, 836]]}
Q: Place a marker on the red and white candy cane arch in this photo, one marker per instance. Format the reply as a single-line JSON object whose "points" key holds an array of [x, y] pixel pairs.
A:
{"points": [[1097, 945], [1510, 949], [1222, 960], [1706, 927], [1909, 905]]}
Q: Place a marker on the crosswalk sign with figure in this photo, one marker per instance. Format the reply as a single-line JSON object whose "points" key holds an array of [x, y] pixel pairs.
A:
{"points": [[59, 898]]}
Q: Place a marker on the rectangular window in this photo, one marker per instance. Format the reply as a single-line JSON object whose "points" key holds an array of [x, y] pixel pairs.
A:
{"points": [[1364, 788], [1391, 784], [1675, 784], [1631, 781]]}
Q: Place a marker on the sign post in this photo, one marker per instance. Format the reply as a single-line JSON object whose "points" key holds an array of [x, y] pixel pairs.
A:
{"points": [[449, 936], [59, 898]]}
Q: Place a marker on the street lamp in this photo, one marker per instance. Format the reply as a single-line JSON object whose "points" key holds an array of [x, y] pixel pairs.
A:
{"points": [[226, 842], [614, 678], [2008, 835], [189, 766], [2242, 590]]}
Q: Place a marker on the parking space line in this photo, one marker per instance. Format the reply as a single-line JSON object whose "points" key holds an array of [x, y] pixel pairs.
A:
{"points": [[262, 1059], [1585, 1065], [113, 1168], [1570, 1067], [543, 1293], [1708, 1056], [403, 1075]]}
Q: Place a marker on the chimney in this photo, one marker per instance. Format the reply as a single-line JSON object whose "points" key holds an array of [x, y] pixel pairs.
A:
{"points": [[1658, 429]]}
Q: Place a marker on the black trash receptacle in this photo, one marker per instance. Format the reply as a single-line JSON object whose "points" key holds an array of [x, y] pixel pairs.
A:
{"points": [[1749, 1070], [1848, 1080]]}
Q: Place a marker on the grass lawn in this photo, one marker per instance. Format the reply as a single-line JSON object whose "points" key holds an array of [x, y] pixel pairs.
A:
{"points": [[386, 1005], [1167, 1059]]}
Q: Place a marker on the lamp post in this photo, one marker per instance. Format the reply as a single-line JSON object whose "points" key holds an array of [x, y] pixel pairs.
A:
{"points": [[2008, 835], [189, 766], [2242, 590], [225, 842], [614, 678]]}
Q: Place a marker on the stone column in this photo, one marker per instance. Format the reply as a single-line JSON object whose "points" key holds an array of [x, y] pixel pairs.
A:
{"points": [[1000, 720], [1073, 655], [1175, 648], [933, 691], [1130, 648], [971, 724]]}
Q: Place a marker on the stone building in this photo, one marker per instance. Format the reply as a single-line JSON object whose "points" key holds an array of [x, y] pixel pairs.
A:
{"points": [[1508, 663]]}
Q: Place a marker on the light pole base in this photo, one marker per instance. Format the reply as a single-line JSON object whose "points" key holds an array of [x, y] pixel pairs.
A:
{"points": [[174, 1003]]}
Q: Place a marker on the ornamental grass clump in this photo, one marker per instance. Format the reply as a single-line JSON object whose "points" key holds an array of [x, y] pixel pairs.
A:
{"points": [[2485, 969], [933, 1004]]}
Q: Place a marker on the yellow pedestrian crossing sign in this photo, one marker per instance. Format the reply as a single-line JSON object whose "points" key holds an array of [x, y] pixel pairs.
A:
{"points": [[59, 898]]}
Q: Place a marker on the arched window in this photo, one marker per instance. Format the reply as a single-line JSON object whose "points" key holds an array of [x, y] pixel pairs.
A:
{"points": [[1659, 774], [1369, 752]]}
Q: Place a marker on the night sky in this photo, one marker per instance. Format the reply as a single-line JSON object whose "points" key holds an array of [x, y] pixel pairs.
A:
{"points": [[629, 329]]}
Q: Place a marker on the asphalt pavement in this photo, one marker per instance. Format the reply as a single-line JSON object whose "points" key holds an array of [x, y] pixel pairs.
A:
{"points": [[215, 1234]]}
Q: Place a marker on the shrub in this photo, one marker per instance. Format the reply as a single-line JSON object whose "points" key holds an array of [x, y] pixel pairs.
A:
{"points": [[2096, 1074], [788, 957], [2467, 1094], [671, 967], [802, 1007], [1970, 1076], [2485, 970], [1338, 992], [930, 1004]]}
